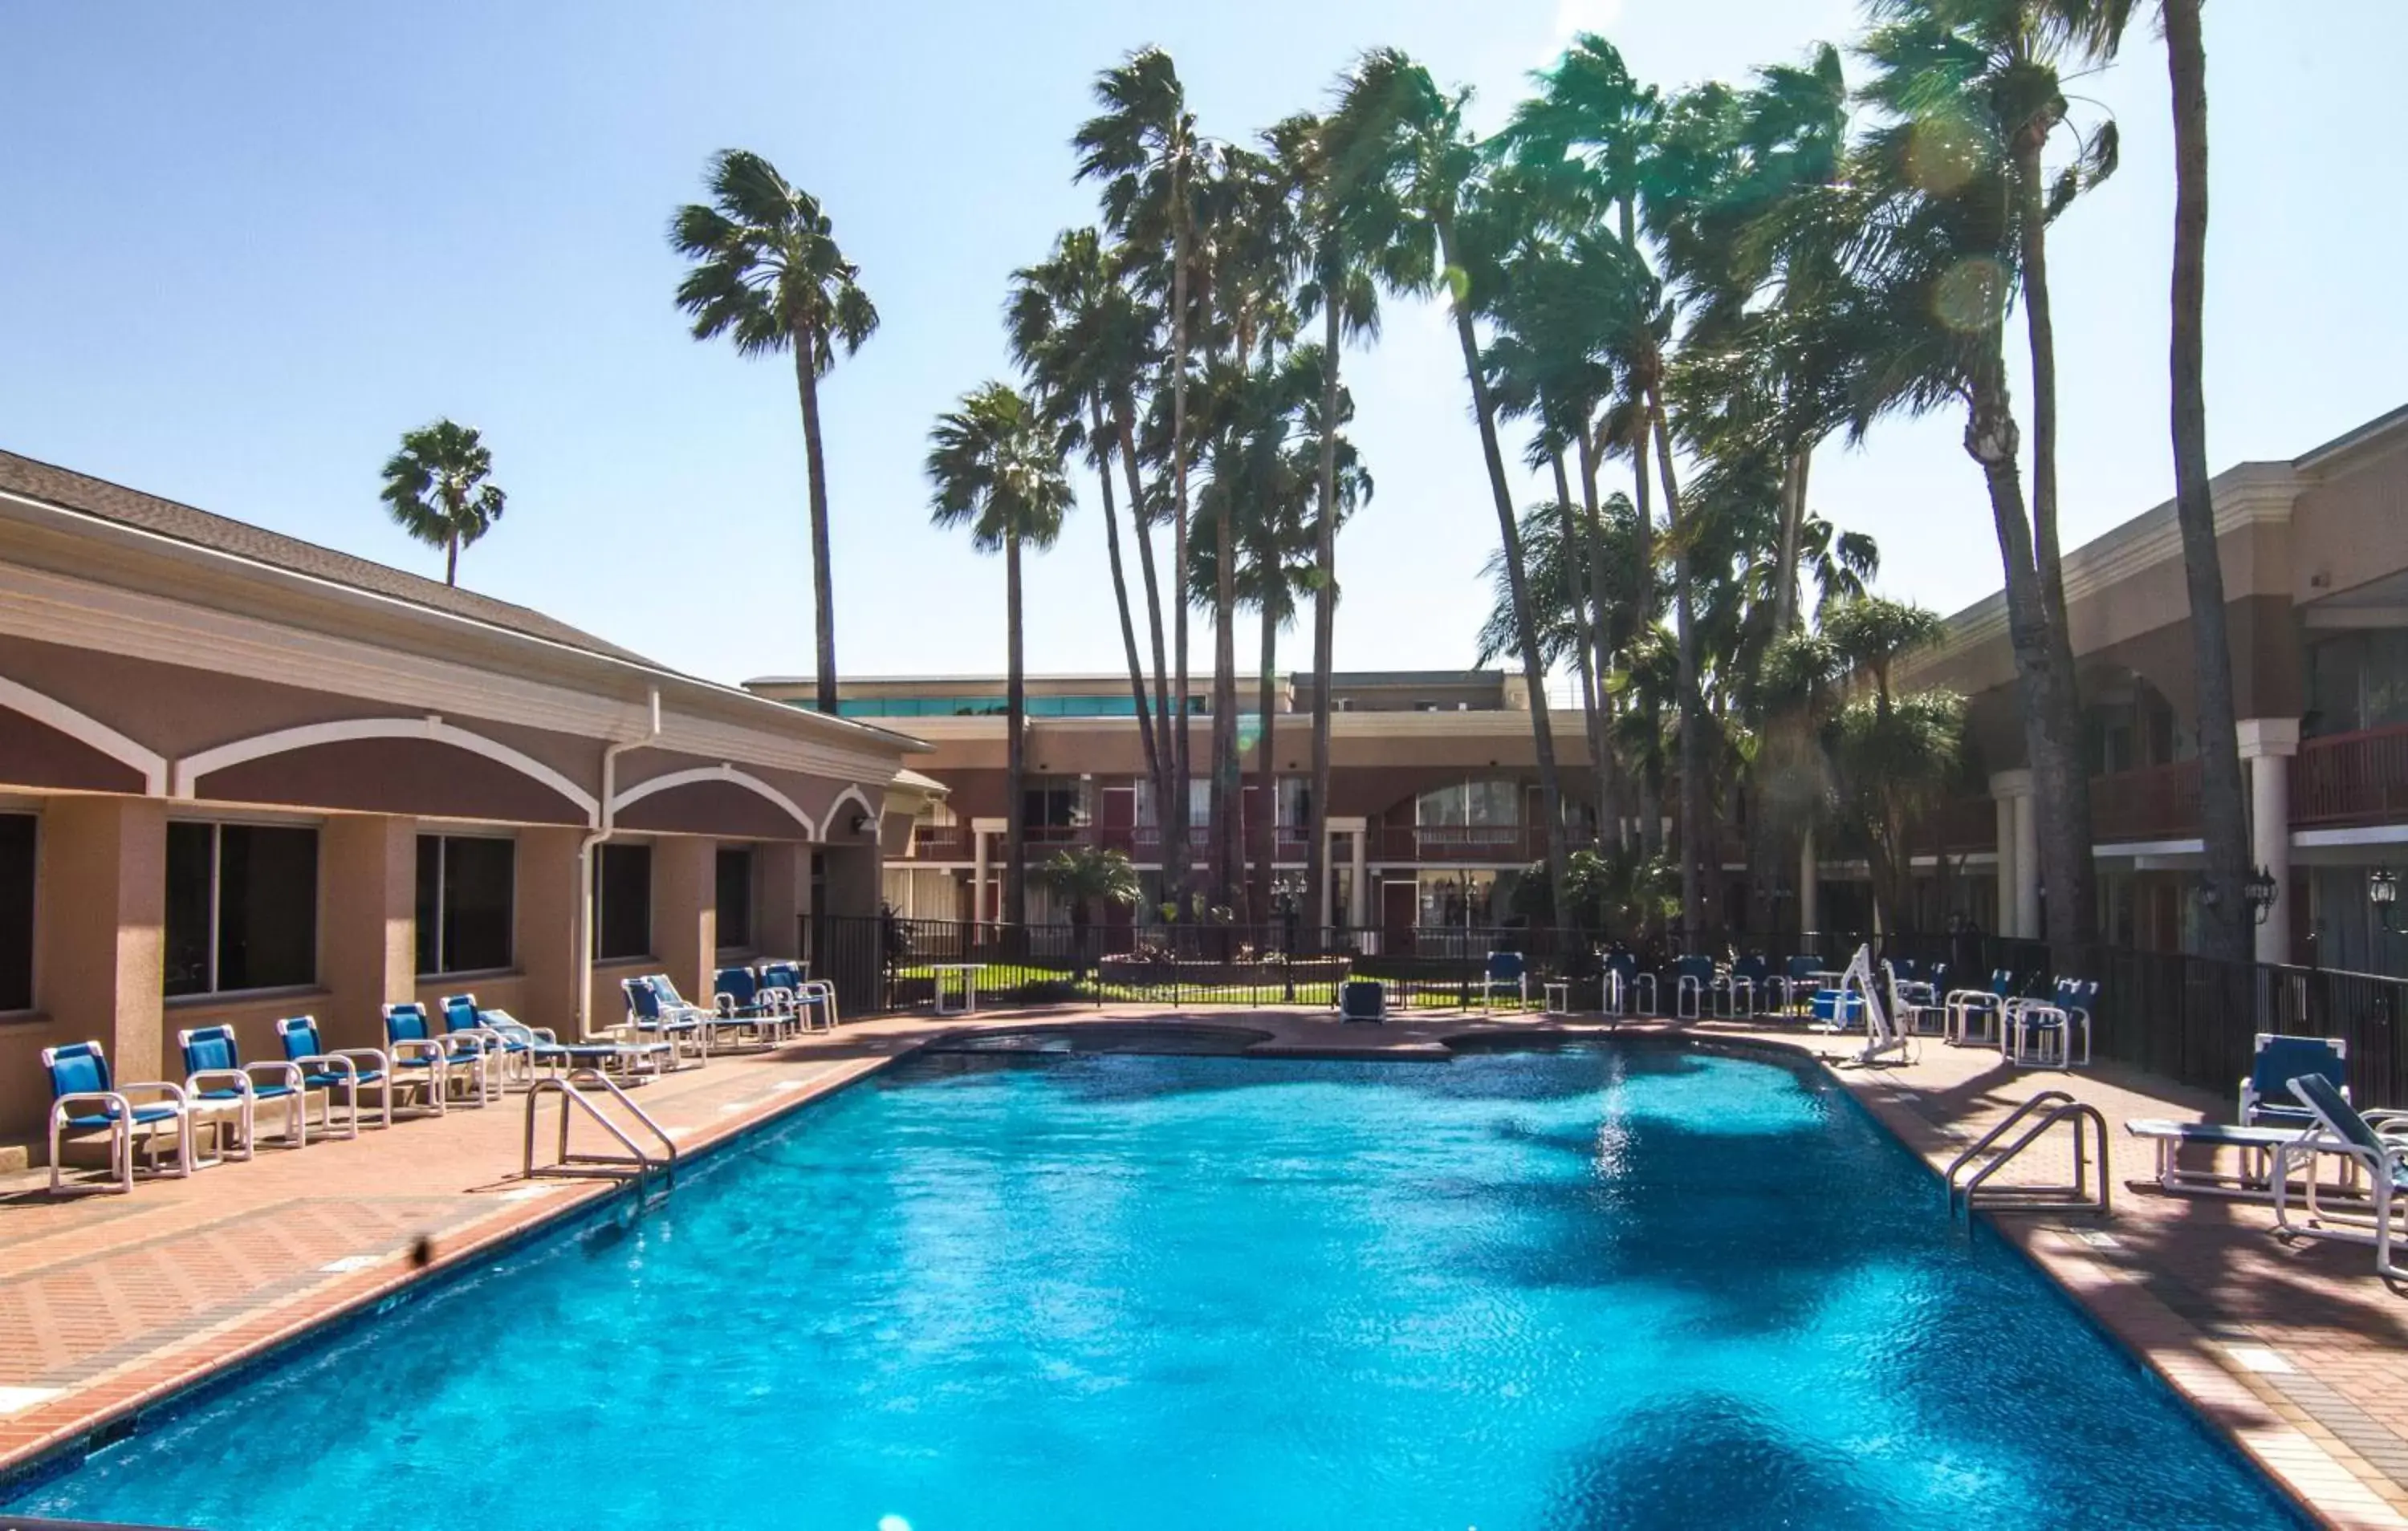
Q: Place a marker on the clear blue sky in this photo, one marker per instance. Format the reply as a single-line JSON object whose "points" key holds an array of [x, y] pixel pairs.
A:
{"points": [[246, 245]]}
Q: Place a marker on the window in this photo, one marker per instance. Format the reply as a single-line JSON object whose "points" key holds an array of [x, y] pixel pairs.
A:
{"points": [[1199, 804], [2357, 680], [1295, 802], [17, 911], [242, 908], [1053, 803], [734, 897], [1470, 803], [466, 889], [623, 899]]}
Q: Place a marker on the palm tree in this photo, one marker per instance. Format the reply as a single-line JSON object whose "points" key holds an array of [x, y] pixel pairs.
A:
{"points": [[1418, 148], [1077, 330], [768, 274], [2098, 27], [996, 464], [1084, 875], [1946, 194], [435, 488], [1338, 204], [1142, 145]]}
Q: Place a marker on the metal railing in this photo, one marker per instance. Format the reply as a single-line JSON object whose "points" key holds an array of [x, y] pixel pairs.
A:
{"points": [[2053, 1106], [571, 1088], [2351, 779]]}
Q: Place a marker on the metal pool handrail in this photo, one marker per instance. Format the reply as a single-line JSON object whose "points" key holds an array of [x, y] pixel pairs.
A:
{"points": [[571, 1088], [2058, 1106]]}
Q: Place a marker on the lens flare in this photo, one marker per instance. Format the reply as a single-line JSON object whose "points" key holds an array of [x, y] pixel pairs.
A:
{"points": [[1941, 153], [1966, 297]]}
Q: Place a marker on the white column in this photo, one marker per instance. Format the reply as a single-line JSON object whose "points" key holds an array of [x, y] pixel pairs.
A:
{"points": [[2268, 744], [980, 830], [1810, 883], [2019, 854], [1359, 885]]}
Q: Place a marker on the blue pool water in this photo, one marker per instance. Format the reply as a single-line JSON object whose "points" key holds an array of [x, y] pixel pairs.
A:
{"points": [[1612, 1287]]}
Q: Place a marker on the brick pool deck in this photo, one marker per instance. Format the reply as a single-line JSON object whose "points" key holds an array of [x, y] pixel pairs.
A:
{"points": [[111, 1303]]}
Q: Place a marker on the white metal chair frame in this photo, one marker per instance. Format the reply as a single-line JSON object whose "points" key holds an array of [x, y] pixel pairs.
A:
{"points": [[119, 1104], [297, 1111], [2371, 1222]]}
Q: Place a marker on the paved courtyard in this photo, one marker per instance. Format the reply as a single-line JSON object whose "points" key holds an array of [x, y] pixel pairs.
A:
{"points": [[108, 1303]]}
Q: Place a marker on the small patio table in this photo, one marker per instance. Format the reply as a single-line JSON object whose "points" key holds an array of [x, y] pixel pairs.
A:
{"points": [[967, 972]]}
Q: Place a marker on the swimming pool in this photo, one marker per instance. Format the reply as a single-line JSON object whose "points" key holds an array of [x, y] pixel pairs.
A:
{"points": [[1620, 1286]]}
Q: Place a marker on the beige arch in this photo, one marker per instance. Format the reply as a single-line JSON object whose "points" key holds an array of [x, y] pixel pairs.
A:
{"points": [[85, 729], [722, 772], [190, 770]]}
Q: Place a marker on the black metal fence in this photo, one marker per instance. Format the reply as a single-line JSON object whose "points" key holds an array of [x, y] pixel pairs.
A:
{"points": [[2185, 1018]]}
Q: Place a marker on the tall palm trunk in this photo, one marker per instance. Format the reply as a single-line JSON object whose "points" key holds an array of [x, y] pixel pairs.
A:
{"points": [[1518, 580], [1697, 838], [2224, 818], [1651, 787], [452, 559], [2052, 717], [1015, 707], [1165, 759], [807, 379], [1585, 674], [1174, 815], [1764, 847], [1119, 588], [1602, 764], [1265, 825], [1228, 794], [2071, 917], [1325, 616]]}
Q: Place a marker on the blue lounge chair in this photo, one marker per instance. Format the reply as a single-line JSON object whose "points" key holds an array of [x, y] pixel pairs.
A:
{"points": [[441, 1063], [1691, 977], [2266, 1098], [214, 1071], [1623, 984], [2341, 1128], [515, 1048], [343, 1073], [84, 1100], [653, 1016], [813, 999], [1972, 1012], [1747, 987], [768, 1013], [1911, 1005], [1506, 971], [1363, 999], [2043, 1031]]}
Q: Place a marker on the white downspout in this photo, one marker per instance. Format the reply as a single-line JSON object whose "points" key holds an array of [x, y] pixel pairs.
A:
{"points": [[604, 821]]}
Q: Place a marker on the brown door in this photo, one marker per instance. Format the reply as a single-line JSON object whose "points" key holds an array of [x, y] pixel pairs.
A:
{"points": [[1399, 903], [1116, 816]]}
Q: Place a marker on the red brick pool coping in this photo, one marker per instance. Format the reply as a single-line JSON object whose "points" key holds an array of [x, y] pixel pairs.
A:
{"points": [[109, 1305]]}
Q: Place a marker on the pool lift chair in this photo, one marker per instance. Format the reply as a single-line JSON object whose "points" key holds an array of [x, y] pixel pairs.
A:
{"points": [[1912, 1004], [1856, 992]]}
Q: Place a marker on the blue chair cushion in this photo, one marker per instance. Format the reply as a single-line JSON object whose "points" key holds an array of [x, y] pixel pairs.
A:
{"points": [[143, 1114]]}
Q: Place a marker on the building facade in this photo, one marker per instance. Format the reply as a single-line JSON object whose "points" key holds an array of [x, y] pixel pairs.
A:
{"points": [[2315, 554], [1434, 800], [243, 776]]}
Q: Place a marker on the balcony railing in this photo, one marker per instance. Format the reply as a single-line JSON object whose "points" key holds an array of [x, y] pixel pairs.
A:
{"points": [[2351, 779], [2153, 803]]}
